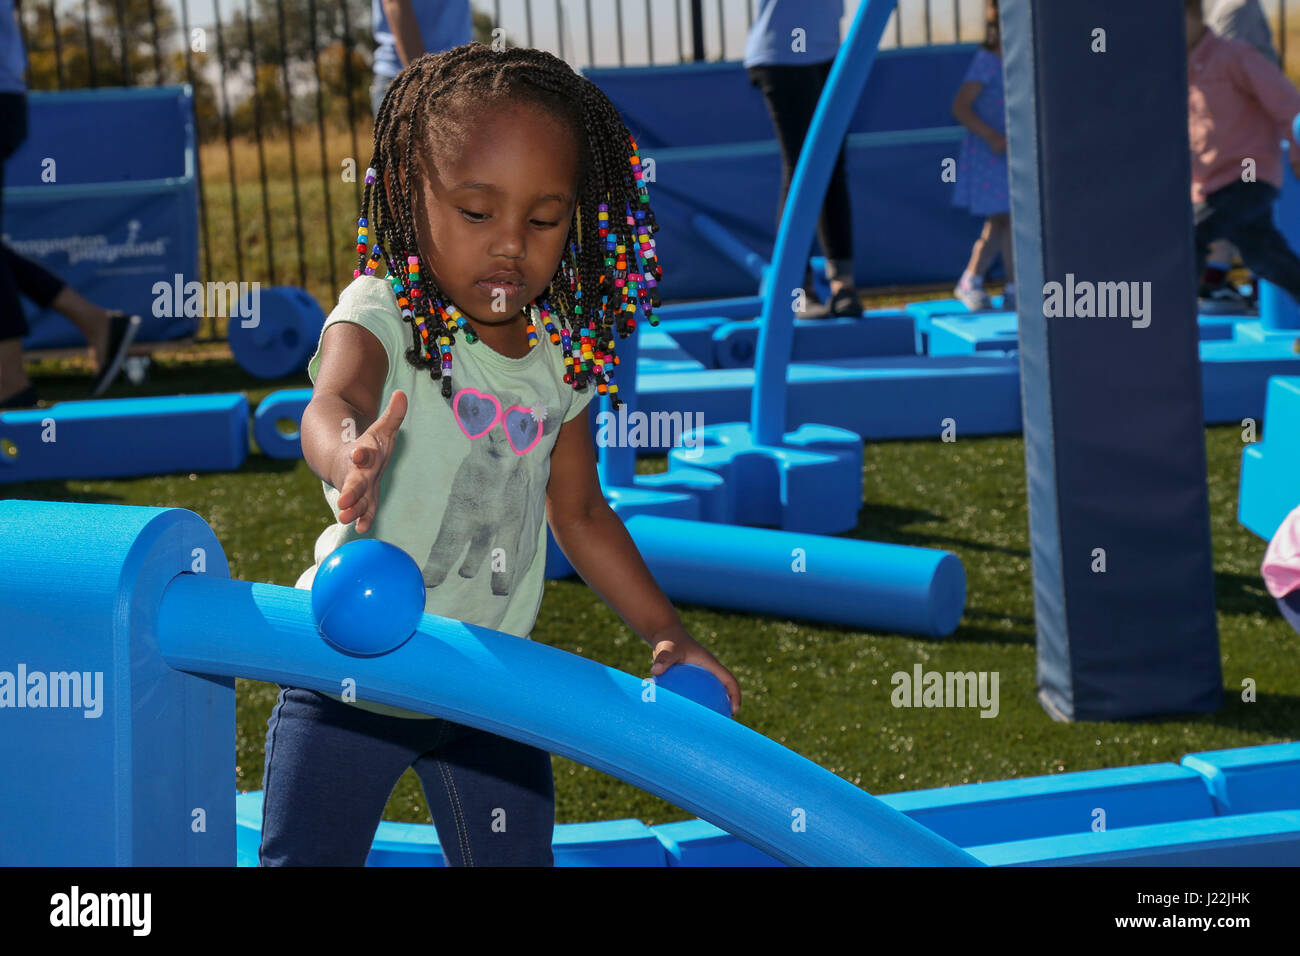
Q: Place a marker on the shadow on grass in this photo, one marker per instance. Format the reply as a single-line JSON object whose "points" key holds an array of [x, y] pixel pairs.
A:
{"points": [[1242, 594], [890, 524]]}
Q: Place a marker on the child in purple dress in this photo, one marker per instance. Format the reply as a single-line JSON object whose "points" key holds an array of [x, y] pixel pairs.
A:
{"points": [[982, 167]]}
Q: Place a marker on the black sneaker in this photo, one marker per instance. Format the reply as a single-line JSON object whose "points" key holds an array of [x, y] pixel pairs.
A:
{"points": [[843, 305], [122, 329]]}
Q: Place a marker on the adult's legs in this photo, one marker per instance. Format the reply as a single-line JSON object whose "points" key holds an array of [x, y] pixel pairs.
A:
{"points": [[791, 94], [13, 324]]}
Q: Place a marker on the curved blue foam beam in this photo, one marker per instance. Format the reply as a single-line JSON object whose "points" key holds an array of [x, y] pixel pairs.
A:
{"points": [[866, 584], [707, 764], [812, 174]]}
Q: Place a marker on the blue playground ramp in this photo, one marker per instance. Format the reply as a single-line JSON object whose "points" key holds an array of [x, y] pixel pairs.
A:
{"points": [[118, 752]]}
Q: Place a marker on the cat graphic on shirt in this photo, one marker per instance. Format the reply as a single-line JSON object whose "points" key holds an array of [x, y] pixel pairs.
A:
{"points": [[492, 490]]}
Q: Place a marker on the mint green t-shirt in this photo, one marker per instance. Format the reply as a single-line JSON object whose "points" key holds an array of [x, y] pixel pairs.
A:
{"points": [[464, 493]]}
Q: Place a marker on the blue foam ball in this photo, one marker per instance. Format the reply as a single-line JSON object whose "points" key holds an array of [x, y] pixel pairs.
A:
{"points": [[697, 684], [367, 597]]}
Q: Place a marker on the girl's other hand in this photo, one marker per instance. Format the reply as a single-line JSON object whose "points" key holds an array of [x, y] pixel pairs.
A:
{"points": [[368, 458], [998, 143], [684, 649]]}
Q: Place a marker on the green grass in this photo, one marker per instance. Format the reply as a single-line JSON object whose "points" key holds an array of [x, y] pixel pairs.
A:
{"points": [[822, 691]]}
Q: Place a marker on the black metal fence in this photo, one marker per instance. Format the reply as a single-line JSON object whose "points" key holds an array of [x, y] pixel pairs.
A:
{"points": [[271, 75]]}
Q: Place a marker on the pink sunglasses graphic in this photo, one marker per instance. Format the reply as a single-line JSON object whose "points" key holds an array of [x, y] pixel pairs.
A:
{"points": [[477, 413]]}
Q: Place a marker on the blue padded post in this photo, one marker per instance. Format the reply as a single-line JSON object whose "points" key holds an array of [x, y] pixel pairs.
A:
{"points": [[812, 174], [136, 764], [1114, 440]]}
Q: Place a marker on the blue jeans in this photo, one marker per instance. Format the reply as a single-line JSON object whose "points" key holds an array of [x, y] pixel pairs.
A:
{"points": [[330, 768]]}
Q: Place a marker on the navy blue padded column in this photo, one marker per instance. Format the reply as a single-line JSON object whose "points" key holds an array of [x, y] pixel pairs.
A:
{"points": [[1114, 441]]}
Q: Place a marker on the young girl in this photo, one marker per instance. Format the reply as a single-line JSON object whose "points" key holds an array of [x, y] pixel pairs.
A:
{"points": [[449, 418], [982, 167]]}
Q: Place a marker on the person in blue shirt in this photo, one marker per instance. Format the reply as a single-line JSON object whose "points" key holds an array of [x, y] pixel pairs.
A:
{"points": [[788, 56], [109, 334], [407, 29]]}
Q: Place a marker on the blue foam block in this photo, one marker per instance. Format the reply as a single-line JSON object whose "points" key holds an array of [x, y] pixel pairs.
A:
{"points": [[1250, 779], [899, 397], [1005, 810], [124, 437], [284, 406], [892, 334], [1255, 839], [980, 331], [693, 336], [1269, 487], [1234, 376]]}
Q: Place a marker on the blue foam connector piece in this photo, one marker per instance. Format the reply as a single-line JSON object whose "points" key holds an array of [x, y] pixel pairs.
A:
{"points": [[1253, 839], [1269, 487], [286, 408], [124, 437], [1002, 811], [735, 343], [812, 481], [1234, 376], [862, 584], [693, 337], [116, 761], [1250, 779]]}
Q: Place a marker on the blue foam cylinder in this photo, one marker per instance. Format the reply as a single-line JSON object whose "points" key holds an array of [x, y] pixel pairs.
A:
{"points": [[864, 584]]}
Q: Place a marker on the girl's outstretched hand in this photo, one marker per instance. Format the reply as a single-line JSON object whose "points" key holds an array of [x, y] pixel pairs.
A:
{"points": [[368, 458], [684, 649]]}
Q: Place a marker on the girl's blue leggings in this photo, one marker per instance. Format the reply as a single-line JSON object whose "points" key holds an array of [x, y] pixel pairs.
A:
{"points": [[331, 767]]}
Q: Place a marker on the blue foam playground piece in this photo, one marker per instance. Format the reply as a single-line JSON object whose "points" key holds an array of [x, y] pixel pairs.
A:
{"points": [[1270, 488], [735, 343], [285, 334], [844, 581], [169, 639], [124, 437], [1255, 839], [1250, 779]]}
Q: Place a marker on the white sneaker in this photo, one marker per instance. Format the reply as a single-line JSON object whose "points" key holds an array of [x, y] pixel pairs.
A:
{"points": [[973, 297]]}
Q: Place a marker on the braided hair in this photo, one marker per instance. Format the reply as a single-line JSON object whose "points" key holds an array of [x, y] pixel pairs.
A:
{"points": [[597, 286]]}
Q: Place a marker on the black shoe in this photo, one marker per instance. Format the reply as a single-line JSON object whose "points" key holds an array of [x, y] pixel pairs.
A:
{"points": [[24, 399], [843, 305], [122, 329]]}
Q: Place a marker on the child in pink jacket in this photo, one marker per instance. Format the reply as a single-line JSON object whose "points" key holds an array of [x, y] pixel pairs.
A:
{"points": [[1240, 108], [1281, 568]]}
